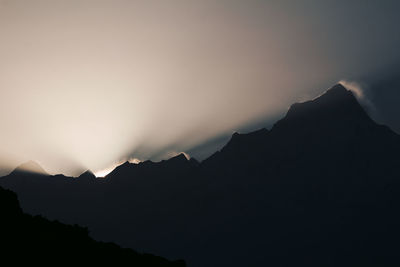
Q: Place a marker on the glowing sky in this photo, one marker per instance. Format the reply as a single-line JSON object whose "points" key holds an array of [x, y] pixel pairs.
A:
{"points": [[88, 84]]}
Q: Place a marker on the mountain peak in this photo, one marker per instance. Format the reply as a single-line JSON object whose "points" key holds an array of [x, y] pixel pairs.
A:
{"points": [[337, 89], [333, 97], [178, 159], [239, 144], [336, 106], [87, 175], [241, 140], [30, 167], [335, 94], [183, 158]]}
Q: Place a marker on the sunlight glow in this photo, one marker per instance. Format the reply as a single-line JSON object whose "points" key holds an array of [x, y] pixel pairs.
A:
{"points": [[104, 172]]}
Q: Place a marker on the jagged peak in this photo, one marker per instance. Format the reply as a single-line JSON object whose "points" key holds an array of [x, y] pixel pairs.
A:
{"points": [[240, 140], [88, 174], [336, 103], [181, 157], [126, 163], [335, 94], [29, 167], [337, 89], [237, 137], [123, 165]]}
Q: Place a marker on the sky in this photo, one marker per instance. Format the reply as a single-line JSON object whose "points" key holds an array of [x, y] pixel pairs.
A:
{"points": [[89, 84]]}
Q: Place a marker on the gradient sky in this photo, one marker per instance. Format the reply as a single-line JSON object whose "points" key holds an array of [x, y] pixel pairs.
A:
{"points": [[88, 84]]}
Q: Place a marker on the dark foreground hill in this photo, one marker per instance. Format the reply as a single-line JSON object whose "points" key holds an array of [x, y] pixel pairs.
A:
{"points": [[321, 188], [35, 240]]}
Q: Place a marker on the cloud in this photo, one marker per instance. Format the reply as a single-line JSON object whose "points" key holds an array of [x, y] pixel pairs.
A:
{"points": [[354, 87], [360, 94]]}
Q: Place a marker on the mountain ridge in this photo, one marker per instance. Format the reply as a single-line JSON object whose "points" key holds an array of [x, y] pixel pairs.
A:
{"points": [[323, 182], [338, 98], [29, 167], [45, 242]]}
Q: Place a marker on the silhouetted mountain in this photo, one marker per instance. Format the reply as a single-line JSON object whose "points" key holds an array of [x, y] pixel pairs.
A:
{"points": [[321, 188], [237, 145], [36, 240], [89, 175], [29, 167], [175, 165]]}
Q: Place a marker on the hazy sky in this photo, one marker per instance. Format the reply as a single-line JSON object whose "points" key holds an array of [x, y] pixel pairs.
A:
{"points": [[87, 84]]}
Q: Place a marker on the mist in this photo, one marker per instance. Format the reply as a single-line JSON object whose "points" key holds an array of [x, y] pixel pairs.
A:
{"points": [[89, 84]]}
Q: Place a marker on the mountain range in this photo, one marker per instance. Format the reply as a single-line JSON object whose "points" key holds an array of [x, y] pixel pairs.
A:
{"points": [[320, 188]]}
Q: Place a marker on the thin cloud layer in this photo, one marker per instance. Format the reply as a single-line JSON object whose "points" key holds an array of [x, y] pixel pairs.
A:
{"points": [[361, 96]]}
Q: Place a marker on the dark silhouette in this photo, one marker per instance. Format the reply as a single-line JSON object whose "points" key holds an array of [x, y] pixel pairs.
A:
{"points": [[36, 240], [321, 188]]}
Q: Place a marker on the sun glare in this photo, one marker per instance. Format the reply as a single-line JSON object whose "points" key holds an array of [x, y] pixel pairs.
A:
{"points": [[104, 172]]}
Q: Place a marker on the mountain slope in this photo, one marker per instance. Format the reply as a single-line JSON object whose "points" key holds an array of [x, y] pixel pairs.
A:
{"points": [[321, 188], [29, 167], [36, 240]]}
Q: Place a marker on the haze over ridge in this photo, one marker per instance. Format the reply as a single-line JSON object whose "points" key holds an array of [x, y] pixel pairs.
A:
{"points": [[86, 84], [321, 182]]}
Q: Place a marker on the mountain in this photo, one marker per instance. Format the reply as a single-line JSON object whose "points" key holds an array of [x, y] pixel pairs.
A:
{"points": [[335, 117], [320, 188], [34, 239], [177, 164], [29, 167], [87, 175]]}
